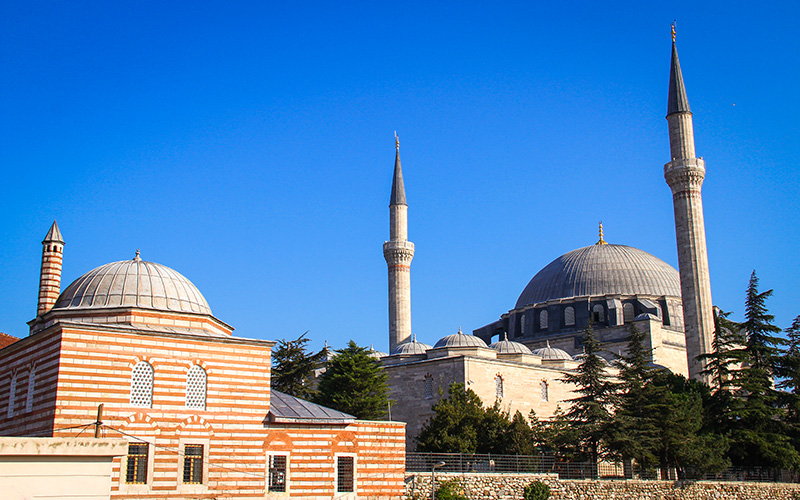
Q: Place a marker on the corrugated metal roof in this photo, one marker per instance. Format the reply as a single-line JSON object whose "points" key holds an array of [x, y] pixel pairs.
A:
{"points": [[284, 408]]}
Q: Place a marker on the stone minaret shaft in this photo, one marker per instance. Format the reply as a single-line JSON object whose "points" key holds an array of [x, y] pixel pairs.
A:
{"points": [[398, 252], [50, 274], [685, 174]]}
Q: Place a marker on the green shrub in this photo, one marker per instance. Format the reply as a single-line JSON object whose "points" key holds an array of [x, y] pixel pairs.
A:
{"points": [[450, 490], [537, 490]]}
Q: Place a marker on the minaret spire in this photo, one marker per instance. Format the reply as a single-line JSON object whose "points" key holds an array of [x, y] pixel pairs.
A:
{"points": [[398, 252], [684, 175], [50, 273]]}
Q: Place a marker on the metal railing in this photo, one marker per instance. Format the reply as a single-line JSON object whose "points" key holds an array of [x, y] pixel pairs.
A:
{"points": [[463, 463]]}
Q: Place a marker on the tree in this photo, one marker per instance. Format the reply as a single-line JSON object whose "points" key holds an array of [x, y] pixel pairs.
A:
{"points": [[590, 412], [520, 437], [354, 383], [293, 368], [789, 370], [727, 351], [455, 426]]}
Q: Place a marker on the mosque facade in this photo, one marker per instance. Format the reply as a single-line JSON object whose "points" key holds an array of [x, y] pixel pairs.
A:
{"points": [[519, 361]]}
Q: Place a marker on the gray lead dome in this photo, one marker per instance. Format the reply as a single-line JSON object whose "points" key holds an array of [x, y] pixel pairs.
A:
{"points": [[600, 270], [133, 283]]}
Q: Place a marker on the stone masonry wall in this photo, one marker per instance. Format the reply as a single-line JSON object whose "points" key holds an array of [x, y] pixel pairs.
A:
{"points": [[509, 486]]}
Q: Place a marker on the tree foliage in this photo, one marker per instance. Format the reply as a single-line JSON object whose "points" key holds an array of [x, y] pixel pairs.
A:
{"points": [[354, 383], [293, 367]]}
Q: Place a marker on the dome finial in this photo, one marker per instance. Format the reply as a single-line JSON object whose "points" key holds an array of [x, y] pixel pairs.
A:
{"points": [[459, 331], [602, 241], [673, 31], [413, 337], [396, 141], [137, 258], [548, 344], [505, 335]]}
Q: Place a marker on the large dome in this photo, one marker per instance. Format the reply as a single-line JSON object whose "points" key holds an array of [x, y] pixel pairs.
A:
{"points": [[133, 283], [600, 270]]}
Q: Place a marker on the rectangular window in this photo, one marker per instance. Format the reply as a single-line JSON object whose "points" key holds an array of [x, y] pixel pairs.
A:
{"points": [[344, 474], [137, 463], [193, 464], [277, 473]]}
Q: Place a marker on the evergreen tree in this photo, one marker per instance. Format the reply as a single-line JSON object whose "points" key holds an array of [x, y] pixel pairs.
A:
{"points": [[556, 436], [293, 368], [789, 371], [590, 412], [456, 424], [727, 351], [520, 437], [354, 383]]}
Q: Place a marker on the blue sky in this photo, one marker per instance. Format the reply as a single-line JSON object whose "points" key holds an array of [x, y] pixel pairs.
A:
{"points": [[249, 146]]}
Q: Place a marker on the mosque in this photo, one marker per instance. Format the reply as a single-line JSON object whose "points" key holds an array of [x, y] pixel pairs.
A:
{"points": [[520, 360]]}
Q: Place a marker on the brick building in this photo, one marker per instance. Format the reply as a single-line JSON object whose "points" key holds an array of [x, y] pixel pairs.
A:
{"points": [[193, 400]]}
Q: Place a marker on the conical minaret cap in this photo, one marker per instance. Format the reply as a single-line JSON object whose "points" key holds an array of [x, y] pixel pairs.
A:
{"points": [[398, 189], [678, 102], [53, 235]]}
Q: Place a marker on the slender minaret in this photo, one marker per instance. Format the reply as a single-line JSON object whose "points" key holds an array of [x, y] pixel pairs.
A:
{"points": [[685, 174], [398, 252], [50, 274]]}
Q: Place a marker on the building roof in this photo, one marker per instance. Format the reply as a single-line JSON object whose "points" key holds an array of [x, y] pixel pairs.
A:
{"points": [[372, 353], [551, 353], [284, 408], [411, 348], [460, 339], [600, 270], [53, 234], [133, 283], [678, 101], [6, 339], [506, 346], [398, 196]]}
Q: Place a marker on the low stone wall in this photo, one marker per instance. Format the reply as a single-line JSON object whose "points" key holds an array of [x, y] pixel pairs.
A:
{"points": [[479, 486]]}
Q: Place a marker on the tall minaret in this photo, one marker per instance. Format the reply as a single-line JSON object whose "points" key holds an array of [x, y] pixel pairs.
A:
{"points": [[398, 252], [685, 174], [50, 274]]}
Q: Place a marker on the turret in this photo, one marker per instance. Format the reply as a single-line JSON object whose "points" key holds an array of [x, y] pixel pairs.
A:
{"points": [[684, 175], [50, 273], [398, 252]]}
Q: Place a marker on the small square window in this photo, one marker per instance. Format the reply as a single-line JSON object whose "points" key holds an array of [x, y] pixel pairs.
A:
{"points": [[136, 472], [193, 464], [277, 473]]}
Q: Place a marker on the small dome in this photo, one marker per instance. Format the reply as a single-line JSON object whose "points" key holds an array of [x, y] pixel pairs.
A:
{"points": [[600, 270], [411, 348], [372, 353], [506, 346], [460, 339], [133, 283], [552, 353]]}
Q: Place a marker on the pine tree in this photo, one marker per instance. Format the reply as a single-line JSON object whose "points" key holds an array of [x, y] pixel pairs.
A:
{"points": [[727, 351], [456, 424], [789, 370], [293, 368], [354, 383], [590, 413], [520, 438]]}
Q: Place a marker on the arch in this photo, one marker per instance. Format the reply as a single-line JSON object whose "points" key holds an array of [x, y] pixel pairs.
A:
{"points": [[598, 313], [543, 319], [142, 385], [194, 425], [196, 387], [628, 312], [569, 316], [545, 390]]}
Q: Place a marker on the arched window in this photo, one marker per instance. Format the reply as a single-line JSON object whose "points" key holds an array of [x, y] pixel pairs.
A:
{"points": [[196, 387], [498, 386], [545, 391], [429, 386], [543, 320], [598, 313], [522, 324], [627, 312], [142, 385], [569, 316], [31, 386], [12, 394]]}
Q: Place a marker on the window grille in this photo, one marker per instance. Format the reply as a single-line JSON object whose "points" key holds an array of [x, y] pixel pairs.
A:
{"points": [[142, 385], [543, 320], [545, 391], [193, 463], [31, 386], [277, 473], [569, 316], [344, 474], [428, 386], [136, 472], [598, 314], [196, 388], [627, 312], [12, 394], [498, 386], [522, 325]]}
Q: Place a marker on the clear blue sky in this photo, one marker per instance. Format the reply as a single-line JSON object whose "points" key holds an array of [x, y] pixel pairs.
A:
{"points": [[249, 145]]}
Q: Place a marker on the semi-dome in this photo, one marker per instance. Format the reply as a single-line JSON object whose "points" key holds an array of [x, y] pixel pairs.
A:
{"points": [[411, 348], [600, 270], [506, 346], [552, 353], [460, 339], [133, 283], [372, 353]]}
